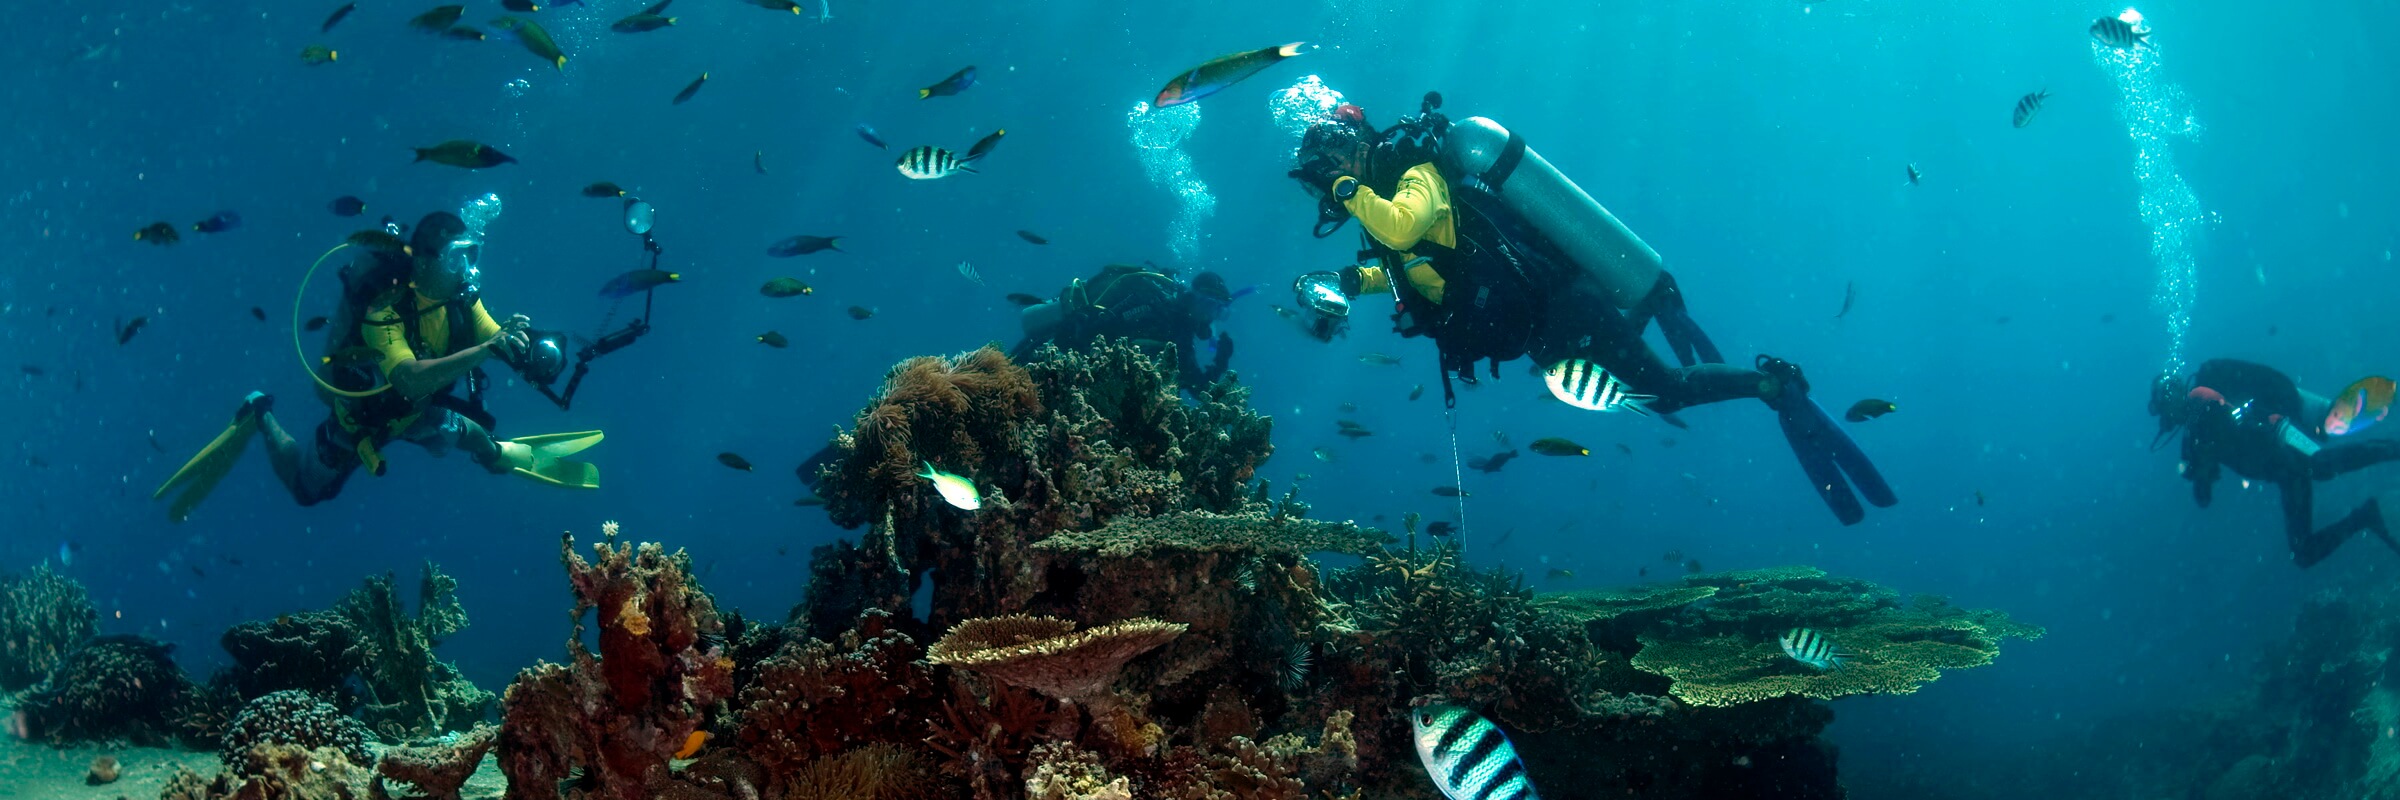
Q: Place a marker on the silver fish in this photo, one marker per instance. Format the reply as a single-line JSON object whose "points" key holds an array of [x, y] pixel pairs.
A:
{"points": [[930, 163], [1807, 646], [2119, 33], [2028, 106], [968, 271], [1467, 756], [1585, 385]]}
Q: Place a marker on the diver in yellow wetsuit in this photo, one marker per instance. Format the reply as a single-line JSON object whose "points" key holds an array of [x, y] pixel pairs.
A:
{"points": [[411, 328], [1486, 283]]}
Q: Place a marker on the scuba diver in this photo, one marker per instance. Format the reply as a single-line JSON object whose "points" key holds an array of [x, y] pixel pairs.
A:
{"points": [[410, 329], [2254, 420], [1145, 304], [1487, 249]]}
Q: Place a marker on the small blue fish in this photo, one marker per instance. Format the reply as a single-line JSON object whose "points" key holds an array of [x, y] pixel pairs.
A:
{"points": [[222, 222], [868, 133], [957, 82]]}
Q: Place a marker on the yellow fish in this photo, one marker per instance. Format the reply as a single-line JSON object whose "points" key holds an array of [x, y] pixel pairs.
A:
{"points": [[955, 490]]}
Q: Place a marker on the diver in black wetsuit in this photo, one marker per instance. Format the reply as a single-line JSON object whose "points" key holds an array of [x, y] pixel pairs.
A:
{"points": [[1145, 304], [2254, 420], [1493, 254]]}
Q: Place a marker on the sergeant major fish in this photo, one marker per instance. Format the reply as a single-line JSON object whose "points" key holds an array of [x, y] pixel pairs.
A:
{"points": [[1807, 646], [2119, 33], [1467, 756], [928, 162], [1585, 385], [2027, 107]]}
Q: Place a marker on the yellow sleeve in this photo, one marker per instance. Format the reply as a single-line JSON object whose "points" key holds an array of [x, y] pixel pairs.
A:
{"points": [[485, 328], [382, 330], [1421, 202]]}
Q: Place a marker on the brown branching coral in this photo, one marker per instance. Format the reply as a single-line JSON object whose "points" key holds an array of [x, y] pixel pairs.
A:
{"points": [[437, 771], [813, 699], [43, 615], [611, 720]]}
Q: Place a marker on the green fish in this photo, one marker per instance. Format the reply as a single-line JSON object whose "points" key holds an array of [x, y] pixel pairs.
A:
{"points": [[734, 460], [641, 22], [604, 189], [861, 312], [535, 39], [955, 490], [779, 5], [1220, 72], [1555, 446], [465, 154], [317, 54], [774, 340], [439, 19], [785, 287], [464, 34]]}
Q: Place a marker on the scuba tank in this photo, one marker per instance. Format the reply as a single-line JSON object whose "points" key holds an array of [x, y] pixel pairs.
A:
{"points": [[1498, 168]]}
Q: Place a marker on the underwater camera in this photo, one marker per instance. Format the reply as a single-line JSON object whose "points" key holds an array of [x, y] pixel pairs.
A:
{"points": [[545, 355], [1325, 310]]}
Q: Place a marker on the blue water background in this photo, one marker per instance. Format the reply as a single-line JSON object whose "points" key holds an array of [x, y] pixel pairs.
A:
{"points": [[1758, 145]]}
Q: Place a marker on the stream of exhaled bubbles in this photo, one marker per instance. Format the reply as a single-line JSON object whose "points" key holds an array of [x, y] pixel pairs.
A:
{"points": [[2156, 113]]}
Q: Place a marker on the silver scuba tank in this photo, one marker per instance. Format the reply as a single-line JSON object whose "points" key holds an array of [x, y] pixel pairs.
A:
{"points": [[1611, 260]]}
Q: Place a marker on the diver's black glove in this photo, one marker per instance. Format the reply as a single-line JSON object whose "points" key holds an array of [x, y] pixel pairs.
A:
{"points": [[1319, 173]]}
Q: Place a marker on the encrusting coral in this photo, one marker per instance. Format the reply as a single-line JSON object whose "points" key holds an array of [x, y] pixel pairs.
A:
{"points": [[611, 720], [43, 615]]}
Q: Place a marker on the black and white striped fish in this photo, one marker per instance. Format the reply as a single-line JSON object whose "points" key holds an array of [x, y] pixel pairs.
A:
{"points": [[931, 163], [2119, 33], [1585, 385], [1467, 756], [2028, 106], [1807, 646]]}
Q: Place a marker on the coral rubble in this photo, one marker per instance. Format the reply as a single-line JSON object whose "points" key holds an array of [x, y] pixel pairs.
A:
{"points": [[43, 615]]}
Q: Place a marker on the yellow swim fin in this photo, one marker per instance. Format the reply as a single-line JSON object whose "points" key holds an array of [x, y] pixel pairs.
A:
{"points": [[200, 475], [544, 458]]}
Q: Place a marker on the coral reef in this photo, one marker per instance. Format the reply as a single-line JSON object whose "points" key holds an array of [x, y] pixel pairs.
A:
{"points": [[609, 721], [873, 772], [367, 650], [112, 687], [813, 699], [1067, 772], [43, 615], [1726, 652], [293, 717], [277, 772], [437, 770]]}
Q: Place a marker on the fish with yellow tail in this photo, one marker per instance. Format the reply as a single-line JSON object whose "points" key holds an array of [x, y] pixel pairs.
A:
{"points": [[1467, 756], [955, 490]]}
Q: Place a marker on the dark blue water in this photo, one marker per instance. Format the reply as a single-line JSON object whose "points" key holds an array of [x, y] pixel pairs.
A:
{"points": [[2009, 305]]}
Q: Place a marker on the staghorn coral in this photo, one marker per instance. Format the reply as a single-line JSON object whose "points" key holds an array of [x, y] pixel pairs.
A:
{"points": [[437, 771], [813, 699], [294, 718], [610, 720], [112, 687], [1727, 653], [43, 615]]}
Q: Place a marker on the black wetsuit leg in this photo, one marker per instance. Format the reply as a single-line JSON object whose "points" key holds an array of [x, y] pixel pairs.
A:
{"points": [[2309, 545], [2334, 460]]}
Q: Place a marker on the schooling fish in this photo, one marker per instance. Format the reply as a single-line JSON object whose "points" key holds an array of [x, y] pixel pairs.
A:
{"points": [[1023, 299], [983, 147], [1849, 297], [778, 5], [2360, 406], [464, 34], [346, 206], [1221, 72], [1380, 360], [318, 55], [439, 19], [1441, 528], [734, 460], [126, 330], [1415, 393], [785, 287], [966, 270], [804, 245], [1585, 385], [639, 23], [2028, 106], [1554, 446], [1864, 410], [257, 313], [536, 40], [1807, 646], [955, 490], [1450, 491], [930, 163], [2118, 33], [465, 154], [336, 19], [158, 233], [688, 91], [604, 189], [861, 313], [220, 222], [1030, 236], [520, 6], [758, 161], [313, 324], [868, 133], [637, 282], [1914, 175], [1467, 756], [1492, 464], [774, 340], [957, 82]]}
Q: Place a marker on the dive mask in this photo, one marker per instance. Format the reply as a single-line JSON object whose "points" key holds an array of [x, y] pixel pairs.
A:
{"points": [[458, 266]]}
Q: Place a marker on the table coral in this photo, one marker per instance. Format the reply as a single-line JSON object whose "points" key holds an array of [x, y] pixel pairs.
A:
{"points": [[610, 720], [43, 615]]}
